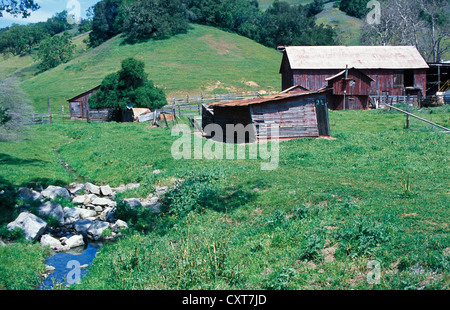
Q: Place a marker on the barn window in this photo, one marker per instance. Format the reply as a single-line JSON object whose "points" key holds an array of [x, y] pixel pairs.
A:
{"points": [[399, 79]]}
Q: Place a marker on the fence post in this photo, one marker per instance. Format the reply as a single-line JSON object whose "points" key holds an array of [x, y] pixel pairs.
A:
{"points": [[407, 110], [173, 106]]}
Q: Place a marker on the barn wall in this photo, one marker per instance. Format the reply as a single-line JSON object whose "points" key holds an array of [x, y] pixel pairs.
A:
{"points": [[79, 106], [361, 84], [296, 117], [383, 80], [336, 102]]}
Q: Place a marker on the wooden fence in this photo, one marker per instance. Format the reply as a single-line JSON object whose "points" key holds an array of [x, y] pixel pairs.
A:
{"points": [[37, 119], [382, 100], [189, 106]]}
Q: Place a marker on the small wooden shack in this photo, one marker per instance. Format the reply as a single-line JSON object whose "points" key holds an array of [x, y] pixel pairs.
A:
{"points": [[295, 114], [350, 90], [79, 105]]}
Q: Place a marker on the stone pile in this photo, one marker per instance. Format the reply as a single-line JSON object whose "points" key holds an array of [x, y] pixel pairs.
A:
{"points": [[92, 218]]}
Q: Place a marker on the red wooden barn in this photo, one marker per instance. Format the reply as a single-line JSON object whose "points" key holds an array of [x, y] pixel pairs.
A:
{"points": [[393, 70]]}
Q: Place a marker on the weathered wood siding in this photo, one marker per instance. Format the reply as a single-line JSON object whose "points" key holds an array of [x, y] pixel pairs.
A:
{"points": [[79, 106], [356, 84], [383, 79], [352, 102], [296, 117]]}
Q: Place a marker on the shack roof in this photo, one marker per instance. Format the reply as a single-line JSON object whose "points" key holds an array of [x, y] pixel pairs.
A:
{"points": [[359, 57], [265, 99], [84, 93]]}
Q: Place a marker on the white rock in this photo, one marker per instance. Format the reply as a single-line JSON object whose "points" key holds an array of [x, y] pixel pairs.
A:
{"points": [[96, 229], [53, 243], [76, 189], [29, 194], [71, 215], [118, 225], [152, 203], [103, 202], [75, 241], [55, 191], [80, 199], [85, 213], [32, 225], [91, 188], [82, 225], [106, 190], [108, 215], [51, 208]]}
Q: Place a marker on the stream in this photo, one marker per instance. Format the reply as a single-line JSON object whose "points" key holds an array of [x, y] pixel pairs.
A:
{"points": [[69, 264]]}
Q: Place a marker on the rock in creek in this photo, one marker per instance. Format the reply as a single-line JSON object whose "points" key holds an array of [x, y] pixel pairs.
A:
{"points": [[32, 226], [55, 191], [51, 208]]}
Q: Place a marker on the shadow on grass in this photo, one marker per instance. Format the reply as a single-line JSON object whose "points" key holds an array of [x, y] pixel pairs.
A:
{"points": [[6, 159]]}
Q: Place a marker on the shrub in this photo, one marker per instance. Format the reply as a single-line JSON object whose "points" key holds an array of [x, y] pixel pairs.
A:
{"points": [[281, 279], [196, 193], [362, 237], [138, 218], [312, 249]]}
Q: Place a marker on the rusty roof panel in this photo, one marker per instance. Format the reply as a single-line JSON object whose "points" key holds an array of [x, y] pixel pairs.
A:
{"points": [[359, 57], [264, 99]]}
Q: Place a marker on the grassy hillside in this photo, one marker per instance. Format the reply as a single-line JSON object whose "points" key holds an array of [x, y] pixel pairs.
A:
{"points": [[203, 60], [348, 28]]}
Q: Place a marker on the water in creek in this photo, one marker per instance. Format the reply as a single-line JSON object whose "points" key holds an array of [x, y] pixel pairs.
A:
{"points": [[67, 265]]}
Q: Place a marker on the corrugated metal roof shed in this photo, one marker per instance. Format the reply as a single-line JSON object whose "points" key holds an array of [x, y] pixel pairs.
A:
{"points": [[263, 99], [359, 57]]}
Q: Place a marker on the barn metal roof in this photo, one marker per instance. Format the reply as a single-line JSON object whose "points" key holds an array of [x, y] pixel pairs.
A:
{"points": [[264, 99], [359, 57]]}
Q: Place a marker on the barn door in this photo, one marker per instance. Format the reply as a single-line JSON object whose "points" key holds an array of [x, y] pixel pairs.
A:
{"points": [[322, 117]]}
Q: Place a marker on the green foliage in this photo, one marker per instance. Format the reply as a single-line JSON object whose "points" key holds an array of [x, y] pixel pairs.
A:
{"points": [[54, 51], [15, 7], [356, 8], [138, 218], [107, 21], [20, 39], [281, 279], [4, 117], [154, 19], [196, 193], [362, 237], [128, 86]]}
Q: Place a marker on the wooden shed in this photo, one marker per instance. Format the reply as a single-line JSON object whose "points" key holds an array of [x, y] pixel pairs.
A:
{"points": [[350, 90], [295, 114], [395, 70], [79, 105]]}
